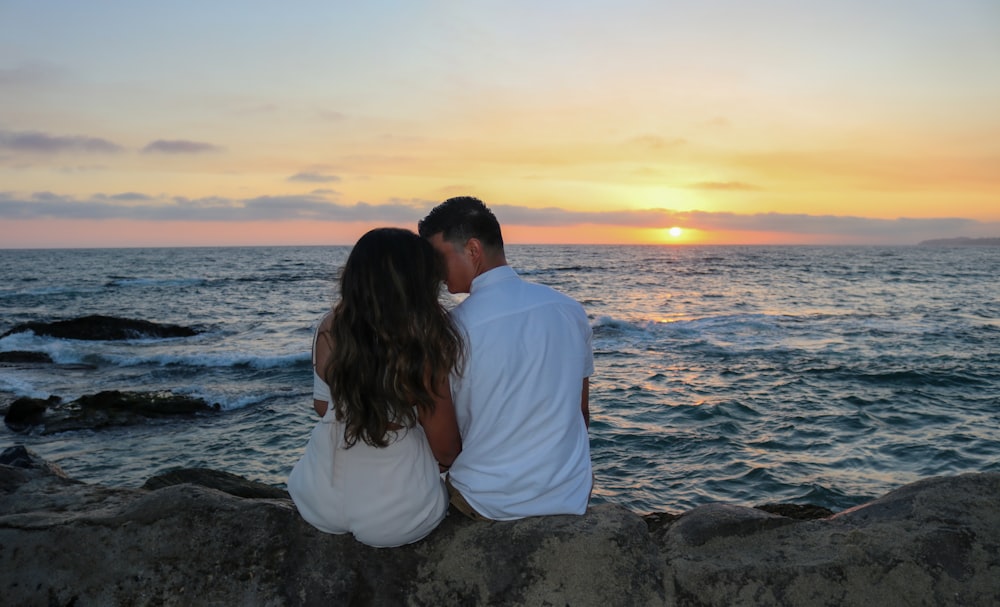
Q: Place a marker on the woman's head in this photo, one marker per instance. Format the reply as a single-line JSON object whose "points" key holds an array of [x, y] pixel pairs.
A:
{"points": [[391, 340], [391, 276]]}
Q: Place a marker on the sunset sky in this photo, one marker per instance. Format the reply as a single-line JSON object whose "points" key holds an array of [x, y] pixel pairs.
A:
{"points": [[308, 122]]}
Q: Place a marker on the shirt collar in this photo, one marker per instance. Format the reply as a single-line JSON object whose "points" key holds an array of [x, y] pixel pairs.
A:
{"points": [[490, 277]]}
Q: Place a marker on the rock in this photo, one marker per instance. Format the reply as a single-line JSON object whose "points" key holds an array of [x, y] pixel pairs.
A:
{"points": [[63, 542], [22, 356], [804, 512], [26, 412], [223, 481], [18, 457], [935, 542], [102, 410], [97, 327], [149, 404]]}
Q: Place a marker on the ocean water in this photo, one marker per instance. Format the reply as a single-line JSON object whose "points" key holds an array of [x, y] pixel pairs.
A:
{"points": [[747, 375]]}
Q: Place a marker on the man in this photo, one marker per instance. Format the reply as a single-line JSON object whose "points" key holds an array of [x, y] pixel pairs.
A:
{"points": [[522, 398]]}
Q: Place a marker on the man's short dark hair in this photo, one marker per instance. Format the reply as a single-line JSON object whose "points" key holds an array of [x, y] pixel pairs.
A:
{"points": [[461, 218]]}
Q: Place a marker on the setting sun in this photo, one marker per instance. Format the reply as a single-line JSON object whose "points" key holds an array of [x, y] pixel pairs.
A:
{"points": [[675, 232]]}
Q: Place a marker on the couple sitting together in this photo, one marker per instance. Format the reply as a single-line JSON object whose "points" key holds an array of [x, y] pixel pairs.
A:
{"points": [[485, 407]]}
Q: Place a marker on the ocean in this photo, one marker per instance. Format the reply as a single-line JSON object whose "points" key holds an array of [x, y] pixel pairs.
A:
{"points": [[737, 374]]}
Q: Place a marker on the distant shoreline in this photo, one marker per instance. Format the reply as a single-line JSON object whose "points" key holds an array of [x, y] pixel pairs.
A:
{"points": [[961, 242]]}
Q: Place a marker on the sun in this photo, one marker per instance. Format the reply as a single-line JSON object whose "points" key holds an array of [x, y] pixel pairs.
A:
{"points": [[675, 232]]}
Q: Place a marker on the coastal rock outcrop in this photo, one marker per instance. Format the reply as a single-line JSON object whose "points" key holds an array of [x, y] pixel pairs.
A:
{"points": [[24, 357], [935, 542], [103, 328], [101, 410]]}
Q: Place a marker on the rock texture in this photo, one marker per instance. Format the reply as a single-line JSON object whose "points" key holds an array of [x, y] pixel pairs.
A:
{"points": [[24, 357], [97, 327], [936, 542], [101, 410]]}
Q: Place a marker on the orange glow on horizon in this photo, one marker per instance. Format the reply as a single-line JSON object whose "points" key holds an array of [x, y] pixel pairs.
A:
{"points": [[79, 233]]}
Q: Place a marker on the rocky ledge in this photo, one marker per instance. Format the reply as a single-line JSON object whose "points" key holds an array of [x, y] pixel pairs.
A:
{"points": [[100, 328], [63, 542], [102, 410]]}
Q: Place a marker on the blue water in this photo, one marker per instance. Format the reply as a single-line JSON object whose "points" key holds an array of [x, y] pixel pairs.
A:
{"points": [[824, 375]]}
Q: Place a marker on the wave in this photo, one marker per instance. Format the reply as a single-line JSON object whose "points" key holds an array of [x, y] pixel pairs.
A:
{"points": [[154, 282], [98, 354], [557, 270], [20, 387], [213, 361], [47, 291], [228, 402]]}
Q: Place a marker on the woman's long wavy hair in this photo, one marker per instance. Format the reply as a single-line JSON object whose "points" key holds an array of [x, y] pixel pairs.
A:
{"points": [[392, 342]]}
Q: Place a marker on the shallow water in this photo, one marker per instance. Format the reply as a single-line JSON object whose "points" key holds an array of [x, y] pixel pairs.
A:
{"points": [[827, 375]]}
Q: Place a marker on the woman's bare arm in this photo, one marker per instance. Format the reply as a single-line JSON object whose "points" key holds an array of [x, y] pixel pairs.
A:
{"points": [[441, 426], [322, 350]]}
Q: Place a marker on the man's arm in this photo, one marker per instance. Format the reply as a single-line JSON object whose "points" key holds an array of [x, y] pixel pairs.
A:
{"points": [[585, 401]]}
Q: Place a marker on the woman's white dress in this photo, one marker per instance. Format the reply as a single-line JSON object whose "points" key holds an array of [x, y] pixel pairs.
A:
{"points": [[386, 496]]}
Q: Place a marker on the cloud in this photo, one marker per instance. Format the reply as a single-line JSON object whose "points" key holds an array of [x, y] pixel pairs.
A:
{"points": [[131, 197], [330, 115], [317, 207], [718, 121], [179, 146], [723, 185], [30, 74], [655, 142], [878, 231], [42, 143], [313, 177], [135, 206]]}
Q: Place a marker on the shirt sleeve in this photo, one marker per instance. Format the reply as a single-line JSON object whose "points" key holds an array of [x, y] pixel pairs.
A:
{"points": [[588, 332]]}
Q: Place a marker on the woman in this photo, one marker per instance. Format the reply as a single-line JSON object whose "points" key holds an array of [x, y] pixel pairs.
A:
{"points": [[381, 362]]}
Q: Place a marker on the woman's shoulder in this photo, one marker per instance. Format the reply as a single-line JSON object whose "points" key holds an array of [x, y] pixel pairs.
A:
{"points": [[326, 321], [323, 341]]}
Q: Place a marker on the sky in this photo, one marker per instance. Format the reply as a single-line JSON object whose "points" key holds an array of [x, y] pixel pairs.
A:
{"points": [[309, 122]]}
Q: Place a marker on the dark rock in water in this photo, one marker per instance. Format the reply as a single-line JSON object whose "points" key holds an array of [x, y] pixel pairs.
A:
{"points": [[802, 512], [17, 456], [223, 481], [26, 412], [148, 404], [98, 327], [102, 410], [934, 542], [22, 356]]}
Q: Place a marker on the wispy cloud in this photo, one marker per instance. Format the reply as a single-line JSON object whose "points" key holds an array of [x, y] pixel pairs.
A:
{"points": [[29, 74], [270, 208], [313, 177], [43, 143], [179, 146], [131, 197], [723, 186], [656, 142], [317, 207]]}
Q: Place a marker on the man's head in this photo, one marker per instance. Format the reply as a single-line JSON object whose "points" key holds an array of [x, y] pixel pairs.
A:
{"points": [[468, 235]]}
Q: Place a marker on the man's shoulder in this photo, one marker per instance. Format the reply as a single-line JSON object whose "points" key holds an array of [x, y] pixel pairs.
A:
{"points": [[511, 298], [545, 294]]}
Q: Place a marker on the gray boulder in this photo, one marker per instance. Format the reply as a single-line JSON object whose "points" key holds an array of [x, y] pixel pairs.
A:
{"points": [[63, 542]]}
